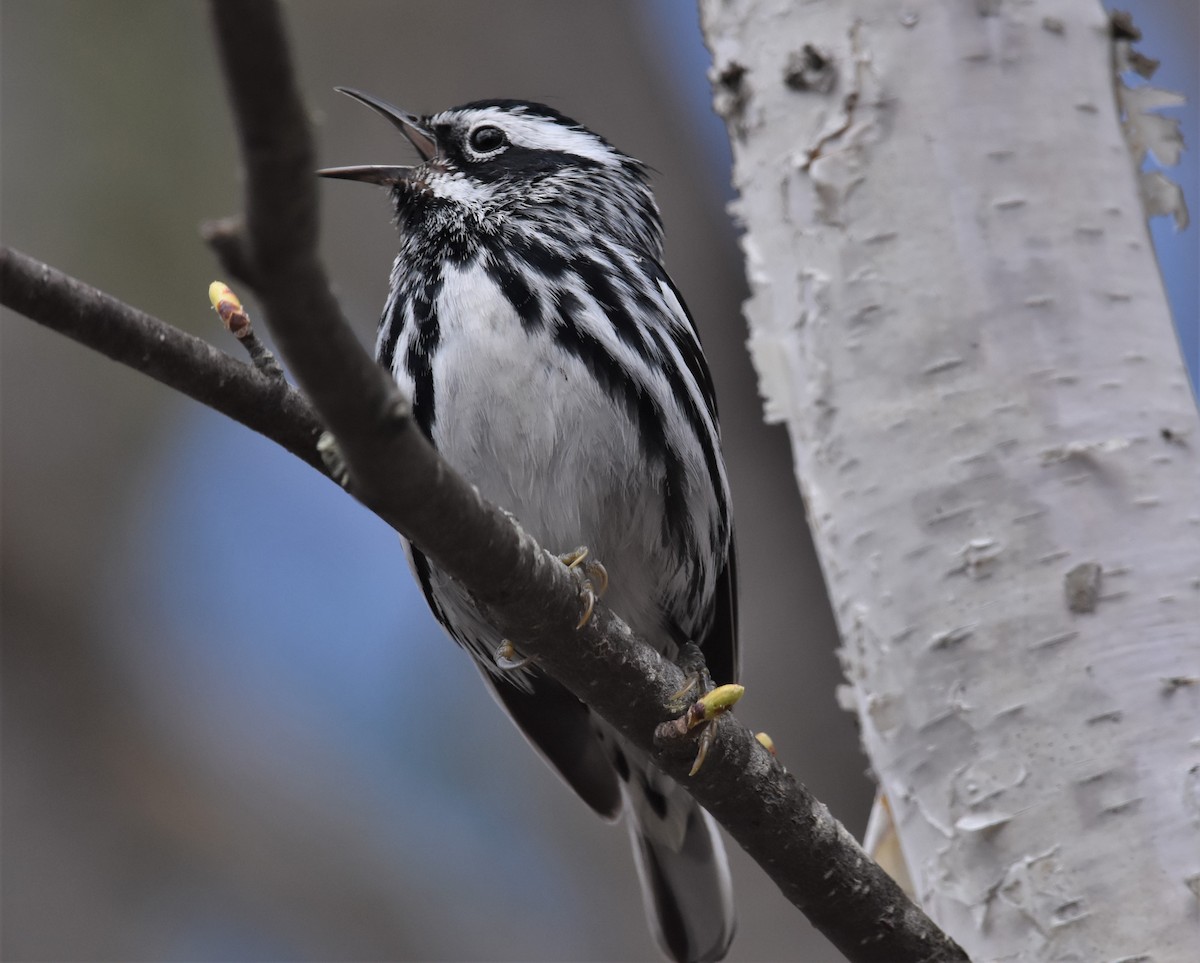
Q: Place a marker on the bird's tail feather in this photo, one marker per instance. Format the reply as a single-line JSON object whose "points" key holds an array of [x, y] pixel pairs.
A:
{"points": [[684, 874]]}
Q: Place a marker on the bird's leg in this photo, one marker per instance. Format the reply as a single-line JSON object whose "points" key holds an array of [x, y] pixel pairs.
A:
{"points": [[698, 702], [696, 680], [593, 580]]}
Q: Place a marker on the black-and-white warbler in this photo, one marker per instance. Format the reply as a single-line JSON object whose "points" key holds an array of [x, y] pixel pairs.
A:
{"points": [[550, 359]]}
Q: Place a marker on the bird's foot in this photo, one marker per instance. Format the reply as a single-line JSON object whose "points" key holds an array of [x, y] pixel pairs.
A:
{"points": [[593, 580], [593, 583], [698, 703]]}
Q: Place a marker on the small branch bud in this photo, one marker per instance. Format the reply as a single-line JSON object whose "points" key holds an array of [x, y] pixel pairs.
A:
{"points": [[720, 700], [230, 309], [237, 322], [705, 709]]}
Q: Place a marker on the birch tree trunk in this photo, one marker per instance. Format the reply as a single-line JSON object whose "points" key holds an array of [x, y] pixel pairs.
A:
{"points": [[956, 310]]}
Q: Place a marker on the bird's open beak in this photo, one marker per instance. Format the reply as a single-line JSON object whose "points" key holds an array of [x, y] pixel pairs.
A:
{"points": [[408, 124]]}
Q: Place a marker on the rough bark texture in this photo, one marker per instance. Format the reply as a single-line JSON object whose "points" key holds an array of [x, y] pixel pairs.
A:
{"points": [[957, 312]]}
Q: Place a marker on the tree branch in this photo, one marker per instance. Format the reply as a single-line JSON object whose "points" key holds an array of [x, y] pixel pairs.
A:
{"points": [[529, 595], [175, 358]]}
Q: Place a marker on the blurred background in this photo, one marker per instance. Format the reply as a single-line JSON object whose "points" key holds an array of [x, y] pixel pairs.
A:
{"points": [[230, 729]]}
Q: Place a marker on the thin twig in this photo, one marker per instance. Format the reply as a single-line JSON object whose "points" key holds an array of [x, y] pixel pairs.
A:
{"points": [[237, 322], [227, 238]]}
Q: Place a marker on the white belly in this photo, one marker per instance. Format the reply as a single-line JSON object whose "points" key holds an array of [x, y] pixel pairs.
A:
{"points": [[528, 425]]}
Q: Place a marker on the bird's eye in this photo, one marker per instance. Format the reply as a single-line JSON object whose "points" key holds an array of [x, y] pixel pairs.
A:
{"points": [[485, 139]]}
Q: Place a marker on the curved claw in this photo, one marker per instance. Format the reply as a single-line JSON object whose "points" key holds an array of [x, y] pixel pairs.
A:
{"points": [[707, 738], [508, 658], [693, 680], [573, 558], [593, 580], [589, 605], [597, 574]]}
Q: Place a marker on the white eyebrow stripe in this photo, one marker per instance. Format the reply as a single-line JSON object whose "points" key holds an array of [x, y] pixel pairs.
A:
{"points": [[540, 133]]}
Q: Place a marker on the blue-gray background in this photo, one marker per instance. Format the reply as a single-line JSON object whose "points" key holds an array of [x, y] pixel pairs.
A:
{"points": [[230, 729]]}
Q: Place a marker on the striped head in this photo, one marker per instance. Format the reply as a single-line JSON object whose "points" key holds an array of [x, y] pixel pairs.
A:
{"points": [[495, 165]]}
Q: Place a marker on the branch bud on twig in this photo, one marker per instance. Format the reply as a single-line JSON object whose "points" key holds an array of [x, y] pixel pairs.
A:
{"points": [[237, 322], [705, 709]]}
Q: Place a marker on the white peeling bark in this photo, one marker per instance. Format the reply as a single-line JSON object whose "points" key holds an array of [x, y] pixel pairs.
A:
{"points": [[957, 312]]}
